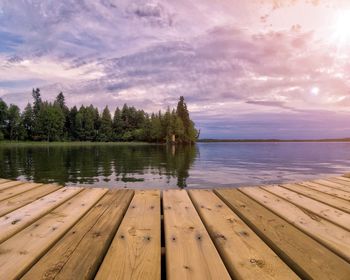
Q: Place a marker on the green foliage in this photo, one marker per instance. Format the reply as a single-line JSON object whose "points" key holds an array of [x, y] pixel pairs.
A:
{"points": [[106, 129], [44, 121], [14, 124], [3, 117], [50, 122], [28, 122]]}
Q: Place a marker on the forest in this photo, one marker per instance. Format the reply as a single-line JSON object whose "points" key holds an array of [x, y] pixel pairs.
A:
{"points": [[55, 121]]}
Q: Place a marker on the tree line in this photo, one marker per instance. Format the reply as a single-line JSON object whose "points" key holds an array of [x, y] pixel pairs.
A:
{"points": [[54, 121]]}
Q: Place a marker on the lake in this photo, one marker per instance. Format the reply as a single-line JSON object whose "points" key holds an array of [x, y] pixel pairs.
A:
{"points": [[204, 165]]}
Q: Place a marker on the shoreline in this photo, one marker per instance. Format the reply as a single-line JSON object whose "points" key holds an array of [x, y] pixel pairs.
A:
{"points": [[272, 140]]}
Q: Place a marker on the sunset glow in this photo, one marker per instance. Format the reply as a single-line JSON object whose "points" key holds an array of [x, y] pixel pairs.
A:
{"points": [[342, 27], [247, 68]]}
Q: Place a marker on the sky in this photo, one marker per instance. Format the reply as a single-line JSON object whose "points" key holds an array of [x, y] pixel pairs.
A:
{"points": [[247, 69]]}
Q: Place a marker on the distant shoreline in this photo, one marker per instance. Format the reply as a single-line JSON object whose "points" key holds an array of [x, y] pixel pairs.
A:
{"points": [[270, 140]]}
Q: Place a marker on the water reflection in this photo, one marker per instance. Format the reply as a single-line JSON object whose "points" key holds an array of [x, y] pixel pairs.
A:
{"points": [[146, 166], [205, 165]]}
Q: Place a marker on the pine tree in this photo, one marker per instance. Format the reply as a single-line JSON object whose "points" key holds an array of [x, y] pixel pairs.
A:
{"points": [[190, 133], [118, 125], [37, 101], [106, 128], [60, 102], [3, 118], [71, 124], [28, 121]]}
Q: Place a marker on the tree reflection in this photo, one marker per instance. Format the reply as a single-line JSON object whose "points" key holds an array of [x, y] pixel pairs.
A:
{"points": [[88, 164]]}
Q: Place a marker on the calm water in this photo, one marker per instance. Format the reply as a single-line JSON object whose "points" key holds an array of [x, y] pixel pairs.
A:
{"points": [[156, 166]]}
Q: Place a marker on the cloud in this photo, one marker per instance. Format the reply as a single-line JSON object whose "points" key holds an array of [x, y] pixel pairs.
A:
{"points": [[230, 64]]}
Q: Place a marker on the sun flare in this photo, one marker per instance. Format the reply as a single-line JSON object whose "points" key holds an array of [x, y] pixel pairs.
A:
{"points": [[342, 27]]}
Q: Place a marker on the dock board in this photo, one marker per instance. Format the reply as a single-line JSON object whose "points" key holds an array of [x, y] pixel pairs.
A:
{"points": [[287, 231]]}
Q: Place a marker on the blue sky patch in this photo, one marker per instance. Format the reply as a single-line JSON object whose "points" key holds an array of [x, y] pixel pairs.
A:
{"points": [[9, 42]]}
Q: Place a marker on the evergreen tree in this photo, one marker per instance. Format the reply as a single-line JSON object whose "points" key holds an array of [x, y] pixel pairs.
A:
{"points": [[56, 122], [14, 125], [61, 103], [182, 112], [3, 118], [37, 101], [118, 125], [106, 129], [156, 128], [28, 121], [71, 124], [190, 133]]}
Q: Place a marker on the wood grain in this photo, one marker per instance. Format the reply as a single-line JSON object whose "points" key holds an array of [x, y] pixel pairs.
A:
{"points": [[331, 184], [79, 253], [14, 221], [190, 253], [303, 254], [332, 214], [327, 190], [319, 196], [9, 184], [20, 252], [15, 190], [334, 237], [135, 252], [243, 252], [25, 198]]}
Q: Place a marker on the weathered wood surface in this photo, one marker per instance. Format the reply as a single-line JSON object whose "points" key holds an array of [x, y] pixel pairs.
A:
{"points": [[331, 235], [296, 248], [15, 190], [328, 190], [319, 196], [80, 251], [22, 250], [269, 232], [244, 253], [22, 199], [20, 218], [340, 180], [135, 252], [332, 184], [190, 253], [332, 214], [8, 184]]}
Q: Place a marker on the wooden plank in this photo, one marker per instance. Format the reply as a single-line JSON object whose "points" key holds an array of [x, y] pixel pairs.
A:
{"points": [[327, 190], [325, 198], [303, 254], [335, 238], [190, 253], [9, 184], [344, 178], [333, 215], [15, 190], [340, 181], [22, 199], [243, 252], [22, 217], [135, 252], [3, 181], [21, 251], [334, 185], [80, 252]]}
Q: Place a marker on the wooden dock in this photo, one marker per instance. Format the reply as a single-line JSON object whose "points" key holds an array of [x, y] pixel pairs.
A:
{"points": [[290, 231]]}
